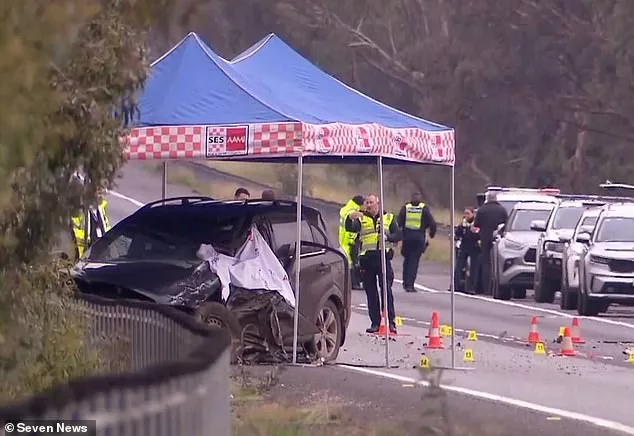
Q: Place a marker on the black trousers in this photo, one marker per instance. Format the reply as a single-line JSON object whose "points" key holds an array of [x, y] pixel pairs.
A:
{"points": [[372, 278], [485, 269], [355, 273], [412, 250], [474, 269]]}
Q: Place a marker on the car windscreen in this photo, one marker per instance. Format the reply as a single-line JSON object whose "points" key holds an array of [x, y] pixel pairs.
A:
{"points": [[615, 229], [567, 217], [521, 221], [134, 244], [508, 205]]}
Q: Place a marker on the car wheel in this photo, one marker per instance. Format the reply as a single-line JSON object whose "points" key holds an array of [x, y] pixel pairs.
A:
{"points": [[544, 290], [501, 292], [519, 293], [568, 299], [326, 343], [217, 316], [586, 306]]}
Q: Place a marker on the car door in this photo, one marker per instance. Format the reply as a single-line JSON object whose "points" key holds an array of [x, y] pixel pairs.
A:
{"points": [[315, 276]]}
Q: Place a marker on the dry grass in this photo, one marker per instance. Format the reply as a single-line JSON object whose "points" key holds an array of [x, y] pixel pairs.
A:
{"points": [[257, 411]]}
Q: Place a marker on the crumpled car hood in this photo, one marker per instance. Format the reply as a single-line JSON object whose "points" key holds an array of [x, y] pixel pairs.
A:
{"points": [[146, 275]]}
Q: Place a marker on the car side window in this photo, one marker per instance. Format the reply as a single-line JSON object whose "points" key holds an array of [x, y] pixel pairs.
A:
{"points": [[284, 234], [318, 236]]}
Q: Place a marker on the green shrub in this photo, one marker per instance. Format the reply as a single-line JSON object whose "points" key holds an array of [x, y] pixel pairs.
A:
{"points": [[42, 334]]}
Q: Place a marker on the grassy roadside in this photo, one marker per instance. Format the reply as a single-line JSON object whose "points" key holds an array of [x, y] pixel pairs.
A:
{"points": [[438, 250]]}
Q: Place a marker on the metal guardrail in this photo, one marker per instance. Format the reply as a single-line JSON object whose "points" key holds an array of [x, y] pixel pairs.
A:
{"points": [[171, 375]]}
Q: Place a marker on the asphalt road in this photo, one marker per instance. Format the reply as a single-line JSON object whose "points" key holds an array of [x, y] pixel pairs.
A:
{"points": [[593, 388]]}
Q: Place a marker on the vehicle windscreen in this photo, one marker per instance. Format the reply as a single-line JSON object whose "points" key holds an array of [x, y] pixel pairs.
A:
{"points": [[508, 205], [616, 229], [521, 221], [567, 217], [170, 236]]}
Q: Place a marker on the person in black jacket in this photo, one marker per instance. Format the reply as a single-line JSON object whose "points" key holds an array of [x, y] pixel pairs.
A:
{"points": [[469, 250], [488, 217], [414, 219]]}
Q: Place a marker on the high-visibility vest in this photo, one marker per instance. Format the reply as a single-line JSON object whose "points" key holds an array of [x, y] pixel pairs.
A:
{"points": [[346, 237], [413, 216], [79, 229], [370, 233]]}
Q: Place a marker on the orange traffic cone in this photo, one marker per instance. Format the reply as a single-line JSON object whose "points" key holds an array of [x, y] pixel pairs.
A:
{"points": [[533, 335], [576, 332], [383, 327], [566, 345], [435, 340]]}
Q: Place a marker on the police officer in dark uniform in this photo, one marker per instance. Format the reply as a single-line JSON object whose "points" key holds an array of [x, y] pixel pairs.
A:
{"points": [[414, 218], [488, 217], [367, 225], [469, 251]]}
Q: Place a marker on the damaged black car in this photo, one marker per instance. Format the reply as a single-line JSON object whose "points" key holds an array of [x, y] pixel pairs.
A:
{"points": [[231, 264]]}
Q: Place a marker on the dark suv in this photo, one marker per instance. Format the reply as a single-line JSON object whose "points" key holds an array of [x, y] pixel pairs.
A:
{"points": [[154, 254]]}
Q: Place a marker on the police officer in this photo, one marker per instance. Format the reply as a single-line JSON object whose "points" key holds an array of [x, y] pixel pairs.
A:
{"points": [[348, 241], [366, 224], [487, 218], [469, 250], [414, 218], [98, 224]]}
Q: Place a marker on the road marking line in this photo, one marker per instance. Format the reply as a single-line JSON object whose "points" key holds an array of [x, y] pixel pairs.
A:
{"points": [[522, 306], [550, 411], [125, 197]]}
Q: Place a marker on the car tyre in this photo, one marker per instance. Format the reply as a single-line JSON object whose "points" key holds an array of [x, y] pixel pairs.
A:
{"points": [[569, 297], [325, 344], [519, 293], [501, 292], [217, 316], [586, 306], [544, 289]]}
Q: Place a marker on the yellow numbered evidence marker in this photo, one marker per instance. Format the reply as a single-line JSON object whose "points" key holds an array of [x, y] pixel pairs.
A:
{"points": [[468, 355], [630, 356], [398, 321], [424, 362], [539, 348], [472, 335], [562, 330], [445, 330]]}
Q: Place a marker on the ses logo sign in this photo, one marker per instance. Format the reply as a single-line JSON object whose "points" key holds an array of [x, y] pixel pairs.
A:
{"points": [[226, 141]]}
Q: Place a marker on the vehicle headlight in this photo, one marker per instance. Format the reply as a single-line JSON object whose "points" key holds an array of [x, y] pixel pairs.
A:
{"points": [[513, 245], [598, 259], [557, 247]]}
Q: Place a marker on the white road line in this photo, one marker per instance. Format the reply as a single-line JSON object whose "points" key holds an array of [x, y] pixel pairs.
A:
{"points": [[611, 425], [551, 411], [125, 197], [522, 306]]}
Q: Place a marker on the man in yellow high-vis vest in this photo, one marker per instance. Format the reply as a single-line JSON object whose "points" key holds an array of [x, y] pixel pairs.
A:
{"points": [[348, 240], [367, 225], [98, 224], [414, 218]]}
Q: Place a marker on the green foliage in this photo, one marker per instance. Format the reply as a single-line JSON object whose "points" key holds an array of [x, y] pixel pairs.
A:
{"points": [[42, 335]]}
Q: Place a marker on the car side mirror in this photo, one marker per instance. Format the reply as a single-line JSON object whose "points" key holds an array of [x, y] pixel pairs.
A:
{"points": [[583, 238], [538, 225]]}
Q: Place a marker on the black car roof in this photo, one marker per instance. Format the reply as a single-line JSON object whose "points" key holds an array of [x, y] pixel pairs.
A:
{"points": [[194, 205]]}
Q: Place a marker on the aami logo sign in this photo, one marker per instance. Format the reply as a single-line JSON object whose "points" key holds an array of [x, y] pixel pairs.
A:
{"points": [[226, 141], [400, 145]]}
